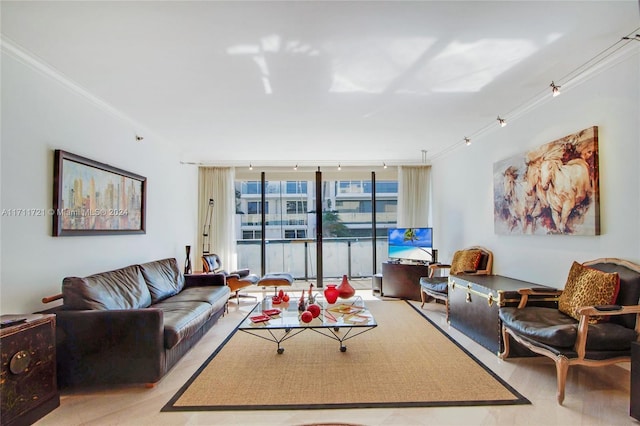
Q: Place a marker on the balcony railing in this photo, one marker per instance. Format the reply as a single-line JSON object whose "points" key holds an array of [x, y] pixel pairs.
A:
{"points": [[341, 256], [290, 219], [365, 218]]}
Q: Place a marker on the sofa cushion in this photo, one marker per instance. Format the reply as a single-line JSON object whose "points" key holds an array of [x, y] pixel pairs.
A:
{"points": [[163, 278], [465, 260], [216, 296], [553, 328], [182, 319], [123, 288], [587, 287]]}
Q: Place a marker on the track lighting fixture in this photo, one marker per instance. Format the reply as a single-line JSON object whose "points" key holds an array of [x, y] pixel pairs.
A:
{"points": [[636, 38], [295, 167], [586, 70], [339, 167], [250, 166], [384, 165], [139, 138]]}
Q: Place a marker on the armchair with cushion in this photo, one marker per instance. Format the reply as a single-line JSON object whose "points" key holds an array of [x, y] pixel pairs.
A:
{"points": [[474, 260], [236, 280], [594, 324]]}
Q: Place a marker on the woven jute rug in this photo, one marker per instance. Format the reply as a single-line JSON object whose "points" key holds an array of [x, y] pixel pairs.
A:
{"points": [[406, 361]]}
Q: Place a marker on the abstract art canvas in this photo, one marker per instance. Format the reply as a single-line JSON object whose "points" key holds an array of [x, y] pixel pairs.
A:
{"points": [[552, 189], [92, 198]]}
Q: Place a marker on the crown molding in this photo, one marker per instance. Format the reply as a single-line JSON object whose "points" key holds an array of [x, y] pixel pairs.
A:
{"points": [[29, 59]]}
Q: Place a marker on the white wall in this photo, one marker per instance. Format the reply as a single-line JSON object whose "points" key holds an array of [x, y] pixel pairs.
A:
{"points": [[40, 115], [463, 181]]}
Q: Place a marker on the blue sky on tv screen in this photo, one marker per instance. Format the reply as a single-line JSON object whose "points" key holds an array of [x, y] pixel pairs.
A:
{"points": [[424, 237]]}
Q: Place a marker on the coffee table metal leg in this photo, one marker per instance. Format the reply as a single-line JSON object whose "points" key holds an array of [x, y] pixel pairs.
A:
{"points": [[341, 339], [274, 338]]}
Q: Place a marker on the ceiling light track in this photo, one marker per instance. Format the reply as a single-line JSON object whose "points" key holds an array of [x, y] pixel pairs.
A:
{"points": [[605, 57]]}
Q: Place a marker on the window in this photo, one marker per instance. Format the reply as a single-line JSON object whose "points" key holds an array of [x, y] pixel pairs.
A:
{"points": [[251, 187], [296, 187], [350, 187], [251, 235], [254, 207], [291, 234], [387, 187], [296, 207]]}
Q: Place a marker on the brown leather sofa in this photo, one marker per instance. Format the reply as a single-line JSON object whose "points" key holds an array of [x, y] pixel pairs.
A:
{"points": [[133, 324]]}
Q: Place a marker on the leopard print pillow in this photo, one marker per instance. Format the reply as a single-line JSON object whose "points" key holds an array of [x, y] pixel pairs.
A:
{"points": [[465, 260], [587, 287]]}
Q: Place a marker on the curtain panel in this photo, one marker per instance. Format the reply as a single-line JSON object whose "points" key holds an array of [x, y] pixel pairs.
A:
{"points": [[218, 184], [414, 196]]}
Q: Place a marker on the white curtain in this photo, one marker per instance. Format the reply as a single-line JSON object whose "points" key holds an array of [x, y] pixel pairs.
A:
{"points": [[217, 183], [414, 187]]}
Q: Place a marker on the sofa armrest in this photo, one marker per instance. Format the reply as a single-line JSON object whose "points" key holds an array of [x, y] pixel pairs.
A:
{"points": [[195, 280], [586, 312], [109, 346]]}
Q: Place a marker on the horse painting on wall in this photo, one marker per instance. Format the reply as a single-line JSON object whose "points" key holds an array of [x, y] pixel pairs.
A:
{"points": [[552, 189]]}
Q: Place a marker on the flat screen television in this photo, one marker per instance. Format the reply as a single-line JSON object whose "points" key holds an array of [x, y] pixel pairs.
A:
{"points": [[411, 244]]}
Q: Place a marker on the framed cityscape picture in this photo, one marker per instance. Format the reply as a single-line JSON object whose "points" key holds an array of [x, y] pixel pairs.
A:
{"points": [[551, 189], [92, 198]]}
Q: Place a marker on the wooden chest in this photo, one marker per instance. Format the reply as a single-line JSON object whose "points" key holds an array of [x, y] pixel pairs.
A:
{"points": [[474, 303], [28, 376]]}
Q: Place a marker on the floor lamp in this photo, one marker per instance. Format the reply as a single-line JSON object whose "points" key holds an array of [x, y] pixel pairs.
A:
{"points": [[206, 232]]}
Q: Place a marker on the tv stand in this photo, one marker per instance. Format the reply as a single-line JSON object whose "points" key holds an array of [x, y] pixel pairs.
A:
{"points": [[402, 280]]}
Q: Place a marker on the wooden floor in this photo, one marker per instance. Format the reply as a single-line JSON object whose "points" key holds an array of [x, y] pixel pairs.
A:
{"points": [[598, 396]]}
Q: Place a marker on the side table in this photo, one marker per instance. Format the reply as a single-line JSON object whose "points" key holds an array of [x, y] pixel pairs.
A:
{"points": [[28, 387]]}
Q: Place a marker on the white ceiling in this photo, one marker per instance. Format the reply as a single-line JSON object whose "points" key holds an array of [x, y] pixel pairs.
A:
{"points": [[315, 81]]}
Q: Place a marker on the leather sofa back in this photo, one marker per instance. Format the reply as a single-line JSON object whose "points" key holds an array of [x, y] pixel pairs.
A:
{"points": [[132, 287], [163, 278], [124, 288]]}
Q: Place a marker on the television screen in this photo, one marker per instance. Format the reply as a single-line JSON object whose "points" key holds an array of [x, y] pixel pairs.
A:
{"points": [[411, 243]]}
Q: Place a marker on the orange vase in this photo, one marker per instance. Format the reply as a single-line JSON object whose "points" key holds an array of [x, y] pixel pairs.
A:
{"points": [[345, 289]]}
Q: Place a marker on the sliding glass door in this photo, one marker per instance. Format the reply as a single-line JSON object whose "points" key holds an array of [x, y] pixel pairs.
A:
{"points": [[315, 225]]}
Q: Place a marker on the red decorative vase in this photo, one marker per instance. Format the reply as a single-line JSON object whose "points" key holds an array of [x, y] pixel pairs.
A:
{"points": [[331, 293], [345, 289]]}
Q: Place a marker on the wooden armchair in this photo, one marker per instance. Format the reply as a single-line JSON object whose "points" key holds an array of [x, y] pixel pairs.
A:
{"points": [[473, 260], [593, 334], [236, 280]]}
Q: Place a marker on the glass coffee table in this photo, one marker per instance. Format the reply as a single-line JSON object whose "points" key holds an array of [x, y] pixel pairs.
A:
{"points": [[340, 321]]}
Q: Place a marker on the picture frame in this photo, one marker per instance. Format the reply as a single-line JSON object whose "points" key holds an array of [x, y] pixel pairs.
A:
{"points": [[93, 198], [550, 189]]}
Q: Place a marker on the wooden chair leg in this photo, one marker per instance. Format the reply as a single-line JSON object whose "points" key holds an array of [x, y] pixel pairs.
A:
{"points": [[505, 339], [562, 367], [422, 298], [446, 307]]}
